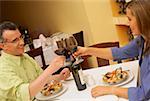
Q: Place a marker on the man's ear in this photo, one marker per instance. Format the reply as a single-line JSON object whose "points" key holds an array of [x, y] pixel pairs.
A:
{"points": [[1, 45]]}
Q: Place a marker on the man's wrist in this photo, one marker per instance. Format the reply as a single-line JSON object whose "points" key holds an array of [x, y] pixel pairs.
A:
{"points": [[51, 69], [112, 90]]}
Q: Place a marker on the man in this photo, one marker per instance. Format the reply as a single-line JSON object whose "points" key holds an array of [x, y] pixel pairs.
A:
{"points": [[20, 76]]}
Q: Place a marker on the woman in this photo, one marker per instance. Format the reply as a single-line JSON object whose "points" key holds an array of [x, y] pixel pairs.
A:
{"points": [[138, 13]]}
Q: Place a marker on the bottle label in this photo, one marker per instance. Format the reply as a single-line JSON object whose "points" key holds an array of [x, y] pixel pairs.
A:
{"points": [[81, 76]]}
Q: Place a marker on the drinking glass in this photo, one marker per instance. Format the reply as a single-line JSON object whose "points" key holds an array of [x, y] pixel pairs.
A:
{"points": [[89, 79]]}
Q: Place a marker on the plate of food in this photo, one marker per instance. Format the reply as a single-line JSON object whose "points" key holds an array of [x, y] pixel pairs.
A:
{"points": [[118, 77], [51, 90]]}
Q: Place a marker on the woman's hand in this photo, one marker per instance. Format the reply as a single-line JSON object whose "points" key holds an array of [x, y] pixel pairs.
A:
{"points": [[100, 90], [64, 74], [105, 90], [81, 51]]}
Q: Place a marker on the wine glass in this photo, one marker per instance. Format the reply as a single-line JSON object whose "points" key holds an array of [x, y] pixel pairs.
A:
{"points": [[72, 47], [66, 46], [60, 47]]}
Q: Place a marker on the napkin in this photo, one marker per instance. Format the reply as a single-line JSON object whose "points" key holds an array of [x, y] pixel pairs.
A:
{"points": [[123, 99], [45, 42], [106, 98]]}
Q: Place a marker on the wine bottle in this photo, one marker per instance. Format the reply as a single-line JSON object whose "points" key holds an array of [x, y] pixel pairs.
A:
{"points": [[28, 39], [78, 77]]}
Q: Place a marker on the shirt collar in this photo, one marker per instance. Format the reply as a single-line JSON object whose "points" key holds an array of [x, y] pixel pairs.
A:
{"points": [[16, 59], [141, 51]]}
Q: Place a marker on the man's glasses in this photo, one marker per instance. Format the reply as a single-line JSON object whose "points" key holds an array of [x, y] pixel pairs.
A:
{"points": [[15, 40]]}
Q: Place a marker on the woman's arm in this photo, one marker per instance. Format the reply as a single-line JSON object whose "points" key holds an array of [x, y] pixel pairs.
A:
{"points": [[98, 52], [105, 90], [129, 51], [104, 53]]}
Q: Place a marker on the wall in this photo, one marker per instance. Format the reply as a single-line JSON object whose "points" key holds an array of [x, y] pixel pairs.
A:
{"points": [[49, 16], [94, 17], [100, 18], [0, 12], [64, 15]]}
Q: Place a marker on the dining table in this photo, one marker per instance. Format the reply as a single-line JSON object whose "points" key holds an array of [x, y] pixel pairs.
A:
{"points": [[93, 77]]}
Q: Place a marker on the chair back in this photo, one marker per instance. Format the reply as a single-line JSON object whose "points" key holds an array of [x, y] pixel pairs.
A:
{"points": [[100, 61], [37, 52], [79, 37]]}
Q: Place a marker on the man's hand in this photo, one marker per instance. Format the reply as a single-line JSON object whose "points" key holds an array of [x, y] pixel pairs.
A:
{"points": [[64, 74], [57, 63]]}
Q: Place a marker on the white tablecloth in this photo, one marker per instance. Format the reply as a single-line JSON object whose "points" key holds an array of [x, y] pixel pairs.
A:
{"points": [[72, 94], [49, 55]]}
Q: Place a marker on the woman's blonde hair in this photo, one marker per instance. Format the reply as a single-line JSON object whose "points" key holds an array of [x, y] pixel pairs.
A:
{"points": [[141, 10]]}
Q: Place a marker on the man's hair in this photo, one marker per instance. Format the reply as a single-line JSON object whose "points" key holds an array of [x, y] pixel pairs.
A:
{"points": [[6, 25]]}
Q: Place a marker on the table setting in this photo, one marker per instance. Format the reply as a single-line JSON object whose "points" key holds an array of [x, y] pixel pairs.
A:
{"points": [[78, 86], [93, 77]]}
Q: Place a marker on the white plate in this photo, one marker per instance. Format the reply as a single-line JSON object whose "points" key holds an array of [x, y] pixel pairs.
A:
{"points": [[40, 96], [130, 78], [106, 98]]}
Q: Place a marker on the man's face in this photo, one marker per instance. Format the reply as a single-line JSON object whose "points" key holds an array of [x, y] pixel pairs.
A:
{"points": [[13, 42]]}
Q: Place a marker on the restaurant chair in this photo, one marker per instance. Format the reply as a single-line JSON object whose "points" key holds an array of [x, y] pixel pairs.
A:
{"points": [[38, 52], [79, 37], [101, 62]]}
